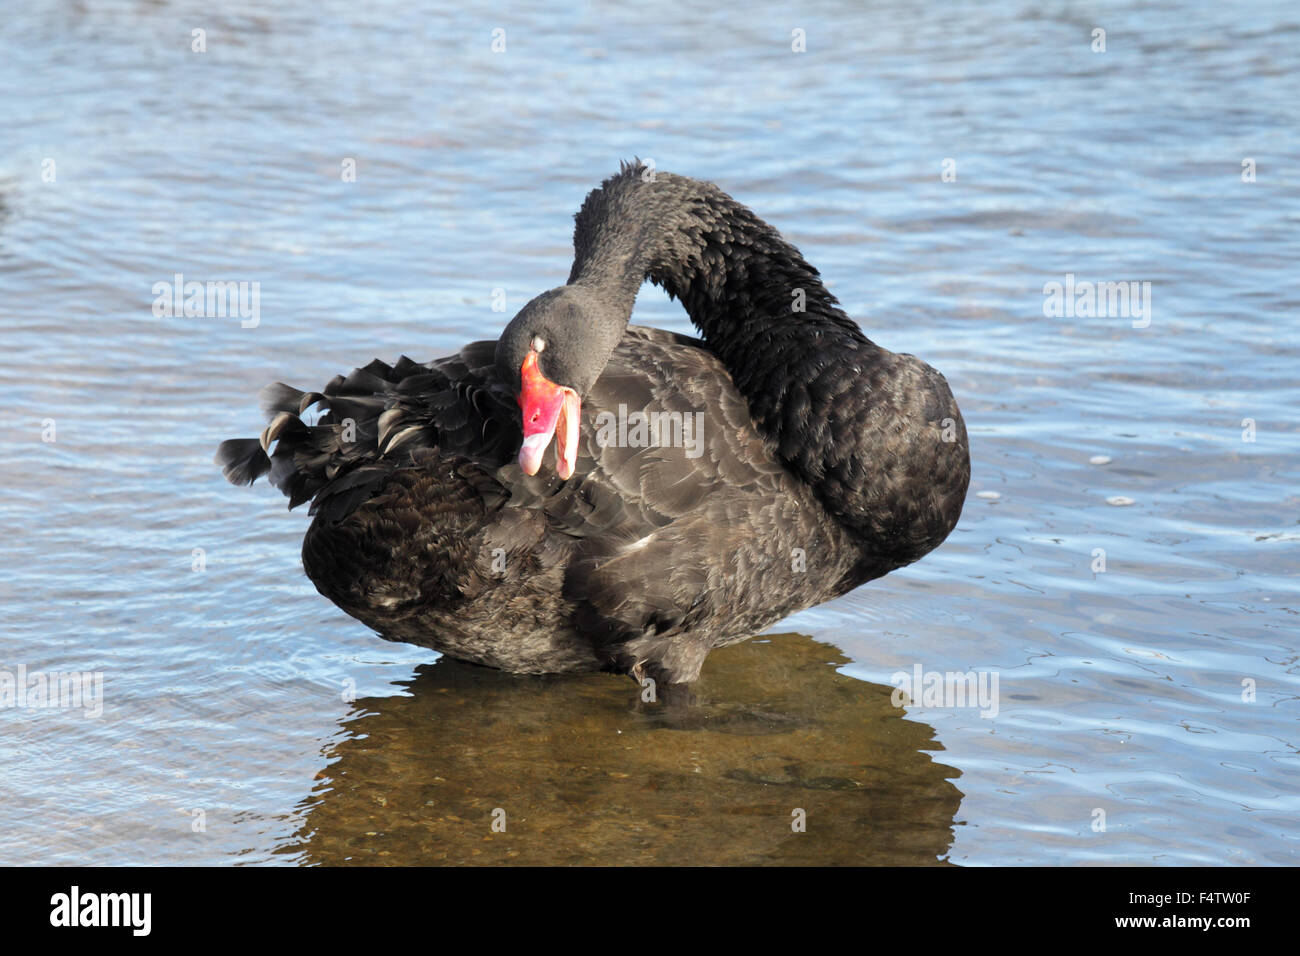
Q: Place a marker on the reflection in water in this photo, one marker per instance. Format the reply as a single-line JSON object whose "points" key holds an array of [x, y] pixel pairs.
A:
{"points": [[588, 774]]}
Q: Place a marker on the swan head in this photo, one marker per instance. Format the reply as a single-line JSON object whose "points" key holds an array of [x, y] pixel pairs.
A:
{"points": [[551, 354]]}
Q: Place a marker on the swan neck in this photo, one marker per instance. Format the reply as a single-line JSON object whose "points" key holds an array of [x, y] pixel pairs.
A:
{"points": [[760, 306], [876, 436]]}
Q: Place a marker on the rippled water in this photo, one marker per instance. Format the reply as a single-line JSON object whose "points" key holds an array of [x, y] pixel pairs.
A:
{"points": [[245, 719]]}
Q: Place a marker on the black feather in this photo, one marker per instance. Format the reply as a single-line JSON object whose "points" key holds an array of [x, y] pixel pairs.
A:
{"points": [[823, 460]]}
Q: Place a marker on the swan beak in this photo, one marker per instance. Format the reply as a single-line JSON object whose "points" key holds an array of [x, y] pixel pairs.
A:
{"points": [[549, 410]]}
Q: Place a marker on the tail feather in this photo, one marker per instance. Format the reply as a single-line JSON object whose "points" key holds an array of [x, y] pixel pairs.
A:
{"points": [[242, 460], [279, 397], [376, 419], [341, 456]]}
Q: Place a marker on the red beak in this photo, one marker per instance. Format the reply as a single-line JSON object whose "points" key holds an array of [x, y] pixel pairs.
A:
{"points": [[549, 410]]}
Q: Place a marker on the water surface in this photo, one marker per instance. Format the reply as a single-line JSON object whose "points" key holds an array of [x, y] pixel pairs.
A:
{"points": [[246, 720]]}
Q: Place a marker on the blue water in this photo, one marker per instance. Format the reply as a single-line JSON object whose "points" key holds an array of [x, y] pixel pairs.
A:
{"points": [[226, 689]]}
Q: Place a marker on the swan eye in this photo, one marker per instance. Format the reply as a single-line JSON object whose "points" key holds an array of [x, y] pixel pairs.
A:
{"points": [[538, 344]]}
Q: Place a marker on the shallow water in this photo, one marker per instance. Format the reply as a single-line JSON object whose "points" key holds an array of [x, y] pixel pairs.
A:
{"points": [[246, 720], [778, 758]]}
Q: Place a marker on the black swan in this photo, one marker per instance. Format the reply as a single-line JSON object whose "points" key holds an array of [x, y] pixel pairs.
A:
{"points": [[703, 489]]}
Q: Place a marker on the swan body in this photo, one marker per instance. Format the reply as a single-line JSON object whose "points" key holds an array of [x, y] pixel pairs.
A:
{"points": [[809, 460]]}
